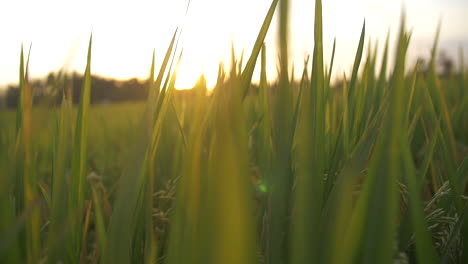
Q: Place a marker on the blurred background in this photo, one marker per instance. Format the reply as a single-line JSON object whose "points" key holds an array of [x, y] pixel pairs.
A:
{"points": [[126, 32]]}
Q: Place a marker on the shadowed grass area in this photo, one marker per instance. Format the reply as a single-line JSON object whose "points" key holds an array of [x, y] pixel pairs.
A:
{"points": [[370, 170]]}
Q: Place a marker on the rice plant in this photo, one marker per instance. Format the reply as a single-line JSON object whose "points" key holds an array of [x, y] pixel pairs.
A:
{"points": [[369, 169]]}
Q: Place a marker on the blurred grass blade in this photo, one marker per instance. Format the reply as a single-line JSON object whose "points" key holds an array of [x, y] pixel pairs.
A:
{"points": [[357, 60], [26, 179], [79, 158], [59, 188], [162, 70], [424, 249], [376, 208], [250, 66], [332, 60], [306, 223], [281, 177], [152, 89]]}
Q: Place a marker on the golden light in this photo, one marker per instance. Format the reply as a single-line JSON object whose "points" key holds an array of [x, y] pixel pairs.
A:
{"points": [[126, 32]]}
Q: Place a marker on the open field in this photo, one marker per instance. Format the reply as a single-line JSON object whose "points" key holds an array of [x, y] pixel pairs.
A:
{"points": [[370, 170]]}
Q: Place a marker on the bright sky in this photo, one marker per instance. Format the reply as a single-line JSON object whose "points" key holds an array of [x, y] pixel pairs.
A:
{"points": [[126, 32]]}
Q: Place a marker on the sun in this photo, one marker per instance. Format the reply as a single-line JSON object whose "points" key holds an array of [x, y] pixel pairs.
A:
{"points": [[189, 71]]}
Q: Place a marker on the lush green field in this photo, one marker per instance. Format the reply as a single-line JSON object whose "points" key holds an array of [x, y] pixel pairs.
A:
{"points": [[371, 171]]}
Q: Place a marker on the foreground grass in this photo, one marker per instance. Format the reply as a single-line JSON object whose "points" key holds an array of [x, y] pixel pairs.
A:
{"points": [[374, 171]]}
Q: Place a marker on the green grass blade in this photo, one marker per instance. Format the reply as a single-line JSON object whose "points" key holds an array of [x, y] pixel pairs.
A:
{"points": [[376, 209], [26, 181], [250, 66], [381, 84], [357, 60], [332, 60], [159, 79], [425, 251], [428, 157], [58, 213], [306, 223], [280, 180], [133, 202], [152, 89], [79, 159]]}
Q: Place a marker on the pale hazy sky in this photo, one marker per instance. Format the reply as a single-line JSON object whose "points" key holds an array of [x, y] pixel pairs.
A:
{"points": [[126, 32]]}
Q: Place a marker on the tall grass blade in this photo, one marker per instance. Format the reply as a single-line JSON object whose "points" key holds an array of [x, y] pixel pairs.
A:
{"points": [[280, 180], [26, 181], [310, 165], [79, 160], [250, 66]]}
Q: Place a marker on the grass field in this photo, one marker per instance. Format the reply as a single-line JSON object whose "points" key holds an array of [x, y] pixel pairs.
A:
{"points": [[374, 170]]}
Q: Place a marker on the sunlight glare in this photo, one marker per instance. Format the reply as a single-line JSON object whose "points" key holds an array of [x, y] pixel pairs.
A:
{"points": [[126, 32]]}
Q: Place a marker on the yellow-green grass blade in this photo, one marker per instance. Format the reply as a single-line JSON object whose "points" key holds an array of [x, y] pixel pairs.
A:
{"points": [[344, 218], [385, 170], [164, 87], [357, 60], [265, 126], [232, 216], [463, 95], [226, 198], [354, 93], [414, 82], [166, 104], [152, 89], [185, 221], [26, 188], [283, 41], [213, 199], [296, 109], [359, 105], [414, 122], [99, 218], [428, 157], [332, 60], [331, 117], [376, 208], [19, 115], [337, 210], [19, 181], [132, 202], [250, 66], [159, 79], [79, 160], [280, 180], [310, 164], [9, 245], [381, 83], [58, 213], [440, 104], [345, 119], [179, 123], [264, 147], [425, 251], [461, 176]]}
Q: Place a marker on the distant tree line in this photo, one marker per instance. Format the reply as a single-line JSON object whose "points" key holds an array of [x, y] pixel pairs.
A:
{"points": [[52, 89]]}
